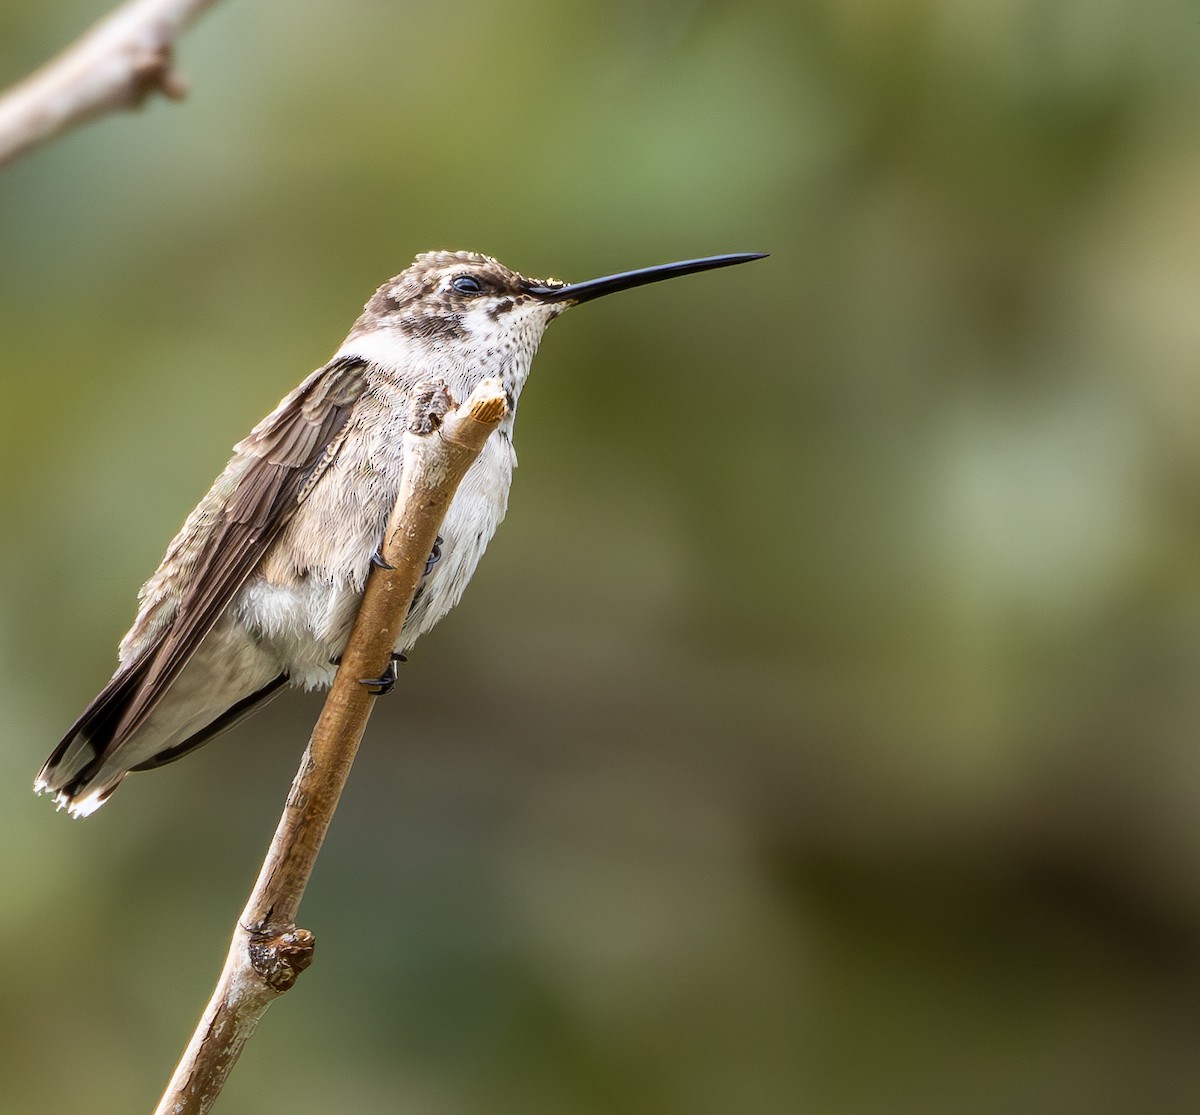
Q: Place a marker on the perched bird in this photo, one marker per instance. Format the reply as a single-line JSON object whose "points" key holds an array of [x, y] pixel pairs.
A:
{"points": [[261, 585]]}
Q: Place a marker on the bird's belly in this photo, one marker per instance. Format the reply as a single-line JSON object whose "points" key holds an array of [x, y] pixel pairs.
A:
{"points": [[303, 624], [301, 602], [471, 520]]}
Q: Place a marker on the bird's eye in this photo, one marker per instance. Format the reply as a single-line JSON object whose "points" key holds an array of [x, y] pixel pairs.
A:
{"points": [[466, 284]]}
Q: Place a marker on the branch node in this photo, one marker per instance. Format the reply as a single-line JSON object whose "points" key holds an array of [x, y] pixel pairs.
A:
{"points": [[431, 402], [280, 957], [151, 73], [118, 63]]}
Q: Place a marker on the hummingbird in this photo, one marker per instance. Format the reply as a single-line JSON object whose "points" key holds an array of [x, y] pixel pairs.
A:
{"points": [[261, 585]]}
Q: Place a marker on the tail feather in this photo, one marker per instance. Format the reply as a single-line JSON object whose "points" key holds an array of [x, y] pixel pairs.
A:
{"points": [[228, 719], [81, 753], [95, 755]]}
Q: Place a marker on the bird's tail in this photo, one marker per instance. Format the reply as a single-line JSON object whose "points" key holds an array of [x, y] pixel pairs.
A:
{"points": [[76, 772], [98, 750], [80, 797]]}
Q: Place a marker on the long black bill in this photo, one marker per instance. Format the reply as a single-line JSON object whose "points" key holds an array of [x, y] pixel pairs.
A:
{"points": [[597, 288]]}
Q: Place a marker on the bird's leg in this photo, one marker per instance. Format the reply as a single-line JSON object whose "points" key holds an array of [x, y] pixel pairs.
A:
{"points": [[378, 560]]}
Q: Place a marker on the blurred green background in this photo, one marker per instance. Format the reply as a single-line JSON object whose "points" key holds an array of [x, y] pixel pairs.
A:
{"points": [[820, 732]]}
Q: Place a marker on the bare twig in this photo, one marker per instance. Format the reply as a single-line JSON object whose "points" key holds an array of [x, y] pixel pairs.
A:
{"points": [[268, 952], [116, 64]]}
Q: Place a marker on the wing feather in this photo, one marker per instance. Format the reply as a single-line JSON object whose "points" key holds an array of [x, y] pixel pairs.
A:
{"points": [[219, 546]]}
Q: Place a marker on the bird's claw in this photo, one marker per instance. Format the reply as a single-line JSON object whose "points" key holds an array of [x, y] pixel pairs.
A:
{"points": [[435, 555], [387, 680]]}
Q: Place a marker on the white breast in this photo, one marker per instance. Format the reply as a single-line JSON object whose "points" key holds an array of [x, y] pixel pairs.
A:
{"points": [[302, 602]]}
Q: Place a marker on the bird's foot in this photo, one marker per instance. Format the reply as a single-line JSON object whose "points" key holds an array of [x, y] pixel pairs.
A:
{"points": [[387, 680], [435, 555]]}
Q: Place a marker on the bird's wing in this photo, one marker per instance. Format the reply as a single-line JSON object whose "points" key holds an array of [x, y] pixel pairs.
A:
{"points": [[225, 537]]}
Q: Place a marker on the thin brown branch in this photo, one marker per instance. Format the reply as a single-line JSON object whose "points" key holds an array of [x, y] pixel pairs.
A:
{"points": [[268, 952], [115, 65]]}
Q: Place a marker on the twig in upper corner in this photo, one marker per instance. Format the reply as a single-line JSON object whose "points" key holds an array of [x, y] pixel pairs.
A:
{"points": [[114, 65]]}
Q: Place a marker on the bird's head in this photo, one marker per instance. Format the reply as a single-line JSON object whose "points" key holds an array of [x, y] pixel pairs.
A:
{"points": [[463, 316]]}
